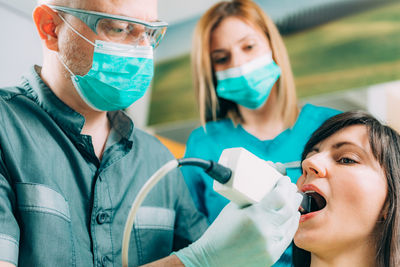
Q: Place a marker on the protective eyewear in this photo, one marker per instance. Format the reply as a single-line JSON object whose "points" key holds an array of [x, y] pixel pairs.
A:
{"points": [[119, 29]]}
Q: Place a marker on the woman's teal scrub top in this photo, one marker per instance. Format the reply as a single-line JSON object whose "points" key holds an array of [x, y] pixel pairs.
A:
{"points": [[209, 143]]}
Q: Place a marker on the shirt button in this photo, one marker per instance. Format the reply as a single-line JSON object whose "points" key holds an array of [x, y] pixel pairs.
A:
{"points": [[104, 261], [80, 146], [102, 217]]}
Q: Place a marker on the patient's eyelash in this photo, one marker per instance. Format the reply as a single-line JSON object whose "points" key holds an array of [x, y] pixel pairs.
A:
{"points": [[346, 160]]}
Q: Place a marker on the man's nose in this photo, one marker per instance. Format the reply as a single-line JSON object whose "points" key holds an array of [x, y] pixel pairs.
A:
{"points": [[145, 41]]}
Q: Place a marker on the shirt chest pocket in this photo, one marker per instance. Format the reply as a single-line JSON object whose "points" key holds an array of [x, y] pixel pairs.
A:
{"points": [[154, 233], [45, 227]]}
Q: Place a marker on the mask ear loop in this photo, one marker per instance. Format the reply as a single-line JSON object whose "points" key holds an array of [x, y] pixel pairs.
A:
{"points": [[65, 66], [73, 76], [75, 31]]}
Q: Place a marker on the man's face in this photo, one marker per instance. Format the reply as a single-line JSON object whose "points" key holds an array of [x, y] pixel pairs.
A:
{"points": [[76, 52]]}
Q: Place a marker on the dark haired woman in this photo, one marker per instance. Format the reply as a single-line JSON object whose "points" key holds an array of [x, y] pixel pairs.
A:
{"points": [[351, 168]]}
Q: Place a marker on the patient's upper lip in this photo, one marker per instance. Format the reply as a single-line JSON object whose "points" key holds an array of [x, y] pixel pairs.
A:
{"points": [[311, 187]]}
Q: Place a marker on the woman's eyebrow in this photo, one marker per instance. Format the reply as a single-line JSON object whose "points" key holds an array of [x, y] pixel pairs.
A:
{"points": [[223, 50], [218, 51], [244, 38], [344, 143]]}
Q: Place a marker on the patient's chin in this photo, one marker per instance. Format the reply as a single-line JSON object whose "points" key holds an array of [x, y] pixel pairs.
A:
{"points": [[299, 240], [305, 241]]}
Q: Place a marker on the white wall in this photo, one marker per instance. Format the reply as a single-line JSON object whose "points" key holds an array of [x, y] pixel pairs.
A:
{"points": [[177, 11], [20, 46], [384, 103]]}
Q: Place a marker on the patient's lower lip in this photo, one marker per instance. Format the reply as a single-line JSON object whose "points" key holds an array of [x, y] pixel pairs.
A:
{"points": [[308, 216]]}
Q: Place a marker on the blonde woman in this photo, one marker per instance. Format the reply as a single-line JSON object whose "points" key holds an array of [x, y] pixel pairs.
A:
{"points": [[246, 97]]}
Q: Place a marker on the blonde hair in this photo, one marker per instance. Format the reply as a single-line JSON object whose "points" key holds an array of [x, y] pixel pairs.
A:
{"points": [[211, 107]]}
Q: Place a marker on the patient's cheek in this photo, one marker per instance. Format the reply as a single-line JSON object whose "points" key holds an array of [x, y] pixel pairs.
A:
{"points": [[300, 181]]}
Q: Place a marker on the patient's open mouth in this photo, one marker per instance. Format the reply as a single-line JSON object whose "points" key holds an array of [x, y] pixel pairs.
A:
{"points": [[312, 202]]}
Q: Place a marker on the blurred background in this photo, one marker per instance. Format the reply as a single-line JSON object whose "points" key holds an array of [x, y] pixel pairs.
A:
{"points": [[345, 54]]}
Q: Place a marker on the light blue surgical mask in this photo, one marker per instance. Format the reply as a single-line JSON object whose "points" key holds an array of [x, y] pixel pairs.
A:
{"points": [[249, 85], [120, 75]]}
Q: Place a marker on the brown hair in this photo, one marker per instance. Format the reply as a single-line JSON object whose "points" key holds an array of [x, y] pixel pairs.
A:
{"points": [[212, 107], [385, 146]]}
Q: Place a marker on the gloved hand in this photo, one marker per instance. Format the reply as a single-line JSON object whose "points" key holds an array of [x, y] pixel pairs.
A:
{"points": [[253, 236]]}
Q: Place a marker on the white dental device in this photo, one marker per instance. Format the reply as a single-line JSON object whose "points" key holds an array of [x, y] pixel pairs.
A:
{"points": [[252, 178]]}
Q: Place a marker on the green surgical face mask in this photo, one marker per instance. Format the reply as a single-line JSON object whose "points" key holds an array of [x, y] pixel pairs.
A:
{"points": [[120, 75], [249, 85]]}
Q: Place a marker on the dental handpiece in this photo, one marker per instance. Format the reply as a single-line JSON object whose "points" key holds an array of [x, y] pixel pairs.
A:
{"points": [[252, 178], [305, 205]]}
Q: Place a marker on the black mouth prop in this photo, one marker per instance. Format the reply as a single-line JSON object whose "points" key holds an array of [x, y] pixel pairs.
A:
{"points": [[312, 201]]}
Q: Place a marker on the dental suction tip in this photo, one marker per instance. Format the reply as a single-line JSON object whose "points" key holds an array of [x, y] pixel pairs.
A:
{"points": [[305, 206]]}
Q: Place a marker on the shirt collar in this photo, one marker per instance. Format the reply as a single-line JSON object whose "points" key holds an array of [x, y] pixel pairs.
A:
{"points": [[68, 119]]}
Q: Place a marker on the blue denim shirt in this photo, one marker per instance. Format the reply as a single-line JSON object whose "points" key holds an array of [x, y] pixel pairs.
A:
{"points": [[61, 206]]}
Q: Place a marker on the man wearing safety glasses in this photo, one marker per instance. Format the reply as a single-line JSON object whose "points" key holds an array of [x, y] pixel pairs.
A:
{"points": [[71, 163]]}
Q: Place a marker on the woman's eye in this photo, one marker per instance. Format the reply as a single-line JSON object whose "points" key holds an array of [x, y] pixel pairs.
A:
{"points": [[347, 161], [248, 47], [221, 60]]}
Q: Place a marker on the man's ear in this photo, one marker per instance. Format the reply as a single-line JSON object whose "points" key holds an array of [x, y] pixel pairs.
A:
{"points": [[46, 21]]}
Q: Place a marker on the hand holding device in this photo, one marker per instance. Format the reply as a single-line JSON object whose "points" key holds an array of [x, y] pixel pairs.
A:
{"points": [[253, 236], [243, 234]]}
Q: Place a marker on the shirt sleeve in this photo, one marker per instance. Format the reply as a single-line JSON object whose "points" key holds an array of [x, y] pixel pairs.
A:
{"points": [[189, 224], [9, 229]]}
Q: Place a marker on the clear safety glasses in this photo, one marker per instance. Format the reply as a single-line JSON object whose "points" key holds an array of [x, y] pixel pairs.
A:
{"points": [[119, 29]]}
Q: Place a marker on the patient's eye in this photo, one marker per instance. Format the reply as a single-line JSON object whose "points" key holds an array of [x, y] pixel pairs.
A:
{"points": [[346, 160]]}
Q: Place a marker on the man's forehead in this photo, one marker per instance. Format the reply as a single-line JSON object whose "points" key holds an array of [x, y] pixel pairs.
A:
{"points": [[141, 9], [67, 3]]}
